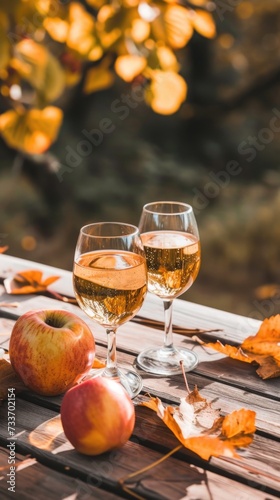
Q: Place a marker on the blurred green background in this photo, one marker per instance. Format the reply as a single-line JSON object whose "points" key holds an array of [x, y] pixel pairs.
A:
{"points": [[220, 153]]}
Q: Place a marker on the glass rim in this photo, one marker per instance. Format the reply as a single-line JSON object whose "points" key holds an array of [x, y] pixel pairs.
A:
{"points": [[188, 207], [134, 229]]}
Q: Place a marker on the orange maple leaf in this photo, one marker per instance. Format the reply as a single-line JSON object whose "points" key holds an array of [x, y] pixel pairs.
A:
{"points": [[30, 281], [3, 249], [262, 348], [202, 429], [267, 339]]}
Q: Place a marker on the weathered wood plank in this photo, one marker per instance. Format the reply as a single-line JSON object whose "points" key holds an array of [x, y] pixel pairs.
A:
{"points": [[216, 390], [186, 314], [133, 337], [172, 479], [221, 396], [259, 462], [34, 480]]}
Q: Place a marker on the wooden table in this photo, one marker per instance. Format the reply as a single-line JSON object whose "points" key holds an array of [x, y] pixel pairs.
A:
{"points": [[48, 469]]}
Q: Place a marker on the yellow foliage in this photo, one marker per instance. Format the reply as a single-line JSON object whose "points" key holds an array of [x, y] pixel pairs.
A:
{"points": [[31, 131], [57, 28], [98, 78], [178, 26], [37, 65], [203, 23], [140, 30], [167, 92], [128, 67], [167, 59], [51, 45]]}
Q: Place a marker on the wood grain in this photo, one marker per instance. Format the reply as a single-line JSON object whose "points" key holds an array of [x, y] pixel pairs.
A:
{"points": [[34, 480], [172, 479], [227, 383]]}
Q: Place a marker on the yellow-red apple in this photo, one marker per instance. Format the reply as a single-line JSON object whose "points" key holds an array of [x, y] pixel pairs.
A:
{"points": [[97, 416], [51, 350]]}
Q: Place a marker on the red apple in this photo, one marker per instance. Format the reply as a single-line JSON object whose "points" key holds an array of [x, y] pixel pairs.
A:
{"points": [[97, 416], [51, 350]]}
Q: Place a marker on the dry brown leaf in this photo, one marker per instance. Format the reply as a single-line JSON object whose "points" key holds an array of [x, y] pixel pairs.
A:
{"points": [[267, 339], [98, 363], [262, 348], [229, 350], [202, 429], [9, 379], [30, 281], [269, 367]]}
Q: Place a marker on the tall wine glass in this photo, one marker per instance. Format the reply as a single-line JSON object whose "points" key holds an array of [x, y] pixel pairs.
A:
{"points": [[172, 246], [110, 284]]}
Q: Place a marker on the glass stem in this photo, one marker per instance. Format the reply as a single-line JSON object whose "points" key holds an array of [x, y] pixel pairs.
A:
{"points": [[111, 363], [168, 335]]}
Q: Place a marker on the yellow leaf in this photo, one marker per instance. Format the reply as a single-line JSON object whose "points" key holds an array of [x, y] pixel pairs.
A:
{"points": [[203, 23], [167, 59], [179, 29], [57, 28], [140, 30], [37, 65], [167, 92], [109, 22], [82, 34], [32, 131], [98, 78], [128, 66]]}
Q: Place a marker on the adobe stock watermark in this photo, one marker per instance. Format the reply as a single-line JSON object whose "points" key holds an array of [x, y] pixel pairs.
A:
{"points": [[222, 7], [121, 108], [11, 438], [250, 147]]}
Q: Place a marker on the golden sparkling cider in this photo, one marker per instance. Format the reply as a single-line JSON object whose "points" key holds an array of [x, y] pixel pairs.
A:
{"points": [[173, 261], [110, 287]]}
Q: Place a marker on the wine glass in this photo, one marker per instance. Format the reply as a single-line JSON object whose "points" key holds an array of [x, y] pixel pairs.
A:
{"points": [[171, 241], [110, 284]]}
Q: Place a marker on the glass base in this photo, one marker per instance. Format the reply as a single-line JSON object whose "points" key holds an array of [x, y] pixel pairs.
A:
{"points": [[164, 361], [130, 380]]}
